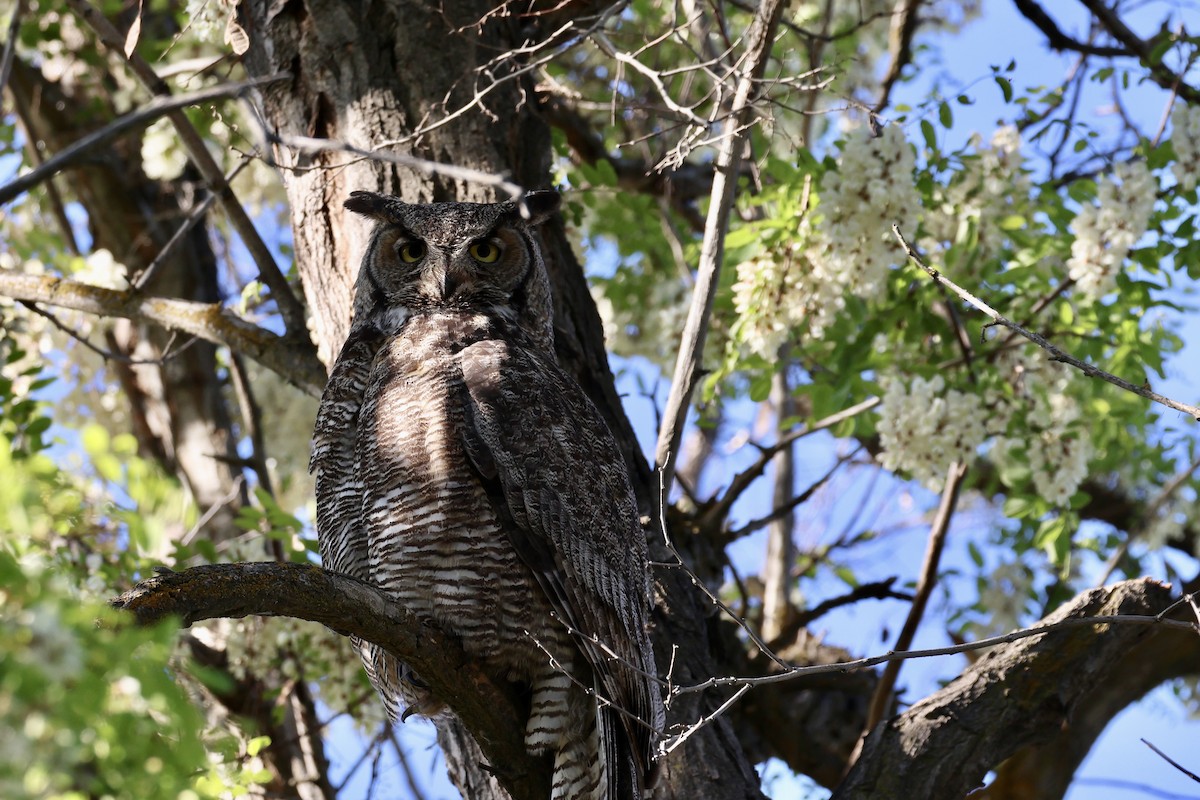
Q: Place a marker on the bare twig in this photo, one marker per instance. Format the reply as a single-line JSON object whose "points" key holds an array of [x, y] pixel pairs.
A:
{"points": [[1055, 353], [743, 479], [158, 107], [787, 505], [703, 587], [1135, 620], [925, 583], [107, 355], [425, 167], [759, 38], [141, 279], [1172, 761], [665, 749]]}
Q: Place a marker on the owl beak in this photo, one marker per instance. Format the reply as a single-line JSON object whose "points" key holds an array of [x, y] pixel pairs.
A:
{"points": [[450, 282]]}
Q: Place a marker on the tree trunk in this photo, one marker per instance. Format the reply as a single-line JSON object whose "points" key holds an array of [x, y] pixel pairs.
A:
{"points": [[372, 73]]}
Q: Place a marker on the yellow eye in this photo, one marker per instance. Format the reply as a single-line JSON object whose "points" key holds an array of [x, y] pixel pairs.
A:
{"points": [[484, 252], [411, 252]]}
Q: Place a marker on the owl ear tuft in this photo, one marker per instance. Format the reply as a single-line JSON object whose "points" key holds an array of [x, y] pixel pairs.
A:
{"points": [[369, 204], [537, 207]]}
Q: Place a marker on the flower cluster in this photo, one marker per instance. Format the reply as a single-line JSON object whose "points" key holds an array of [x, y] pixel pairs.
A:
{"points": [[872, 187], [1046, 423], [163, 158], [849, 248], [923, 428], [777, 291], [1185, 136], [992, 185], [1105, 232], [1005, 596]]}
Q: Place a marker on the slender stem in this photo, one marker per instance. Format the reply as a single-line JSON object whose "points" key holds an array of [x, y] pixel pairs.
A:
{"points": [[1041, 341], [881, 698], [759, 37]]}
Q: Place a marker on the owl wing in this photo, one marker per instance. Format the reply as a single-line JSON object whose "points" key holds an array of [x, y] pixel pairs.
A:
{"points": [[552, 468], [340, 531]]}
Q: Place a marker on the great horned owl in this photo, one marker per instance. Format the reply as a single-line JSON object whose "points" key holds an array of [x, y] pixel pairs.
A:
{"points": [[461, 470]]}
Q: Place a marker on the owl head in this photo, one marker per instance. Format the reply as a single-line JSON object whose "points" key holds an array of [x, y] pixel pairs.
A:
{"points": [[481, 257]]}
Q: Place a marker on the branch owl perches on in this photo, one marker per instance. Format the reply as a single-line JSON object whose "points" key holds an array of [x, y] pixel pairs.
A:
{"points": [[460, 469]]}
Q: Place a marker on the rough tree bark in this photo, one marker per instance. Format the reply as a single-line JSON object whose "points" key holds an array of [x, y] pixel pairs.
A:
{"points": [[371, 73]]}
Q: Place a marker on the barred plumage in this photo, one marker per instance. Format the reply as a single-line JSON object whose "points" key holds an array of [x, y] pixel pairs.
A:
{"points": [[460, 469]]}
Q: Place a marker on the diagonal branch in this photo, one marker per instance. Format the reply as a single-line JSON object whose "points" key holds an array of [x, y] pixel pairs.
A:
{"points": [[297, 364], [759, 38], [158, 107], [489, 709], [881, 699], [1144, 49], [1041, 341], [1059, 40]]}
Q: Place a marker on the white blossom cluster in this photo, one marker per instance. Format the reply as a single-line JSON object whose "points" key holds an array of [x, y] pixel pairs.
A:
{"points": [[872, 188], [924, 427], [1050, 428], [1005, 594], [207, 18], [990, 187], [1185, 136], [101, 269], [163, 157], [777, 291], [1105, 232], [848, 249]]}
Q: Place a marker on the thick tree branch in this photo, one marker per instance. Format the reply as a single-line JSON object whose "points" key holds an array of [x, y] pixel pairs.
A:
{"points": [[209, 321], [1144, 49], [490, 709], [1013, 697], [1058, 40]]}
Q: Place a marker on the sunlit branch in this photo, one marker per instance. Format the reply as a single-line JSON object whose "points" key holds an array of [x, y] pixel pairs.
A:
{"points": [[1055, 353], [296, 363]]}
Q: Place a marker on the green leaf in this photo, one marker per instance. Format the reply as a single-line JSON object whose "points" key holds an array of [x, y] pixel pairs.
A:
{"points": [[945, 115], [95, 440], [929, 134]]}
